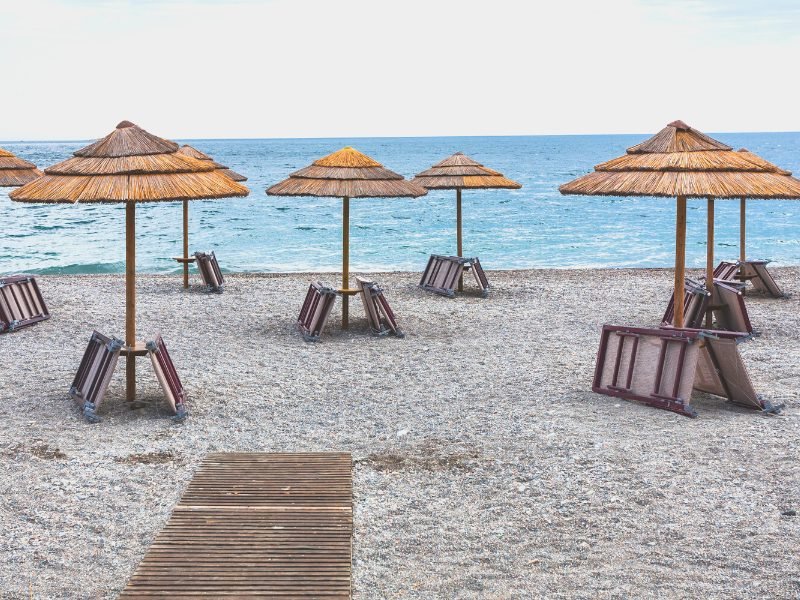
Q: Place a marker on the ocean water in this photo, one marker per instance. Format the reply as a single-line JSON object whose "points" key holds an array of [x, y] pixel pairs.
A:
{"points": [[527, 228]]}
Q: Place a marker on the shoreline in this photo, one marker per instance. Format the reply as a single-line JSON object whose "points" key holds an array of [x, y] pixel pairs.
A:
{"points": [[483, 464]]}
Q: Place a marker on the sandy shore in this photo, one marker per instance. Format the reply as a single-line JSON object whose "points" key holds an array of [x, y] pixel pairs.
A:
{"points": [[484, 466]]}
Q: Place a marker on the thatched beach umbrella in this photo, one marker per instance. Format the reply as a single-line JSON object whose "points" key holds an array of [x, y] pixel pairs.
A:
{"points": [[681, 162], [15, 171], [459, 172], [129, 165], [346, 174], [187, 150]]}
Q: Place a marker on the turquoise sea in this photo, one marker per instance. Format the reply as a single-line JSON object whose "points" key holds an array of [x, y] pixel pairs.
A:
{"points": [[527, 228]]}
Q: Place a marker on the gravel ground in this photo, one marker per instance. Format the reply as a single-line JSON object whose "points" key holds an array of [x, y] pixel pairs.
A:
{"points": [[484, 466]]}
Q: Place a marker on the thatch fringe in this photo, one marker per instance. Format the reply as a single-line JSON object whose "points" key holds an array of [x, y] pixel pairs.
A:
{"points": [[231, 174], [703, 160], [681, 161], [15, 171], [101, 172], [187, 150], [148, 163], [692, 184], [462, 172], [346, 172], [122, 188]]}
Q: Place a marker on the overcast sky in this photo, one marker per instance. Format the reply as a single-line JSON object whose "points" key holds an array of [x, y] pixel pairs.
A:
{"points": [[322, 68]]}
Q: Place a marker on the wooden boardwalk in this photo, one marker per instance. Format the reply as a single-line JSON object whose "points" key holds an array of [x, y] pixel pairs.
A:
{"points": [[257, 526]]}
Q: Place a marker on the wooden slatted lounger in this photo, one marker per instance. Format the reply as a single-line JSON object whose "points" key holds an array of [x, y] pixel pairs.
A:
{"points": [[168, 377], [256, 525], [209, 270], [379, 314], [661, 367], [442, 274], [695, 304], [94, 374], [315, 311], [21, 303]]}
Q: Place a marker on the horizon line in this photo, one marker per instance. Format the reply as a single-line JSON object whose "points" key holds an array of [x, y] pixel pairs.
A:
{"points": [[378, 137]]}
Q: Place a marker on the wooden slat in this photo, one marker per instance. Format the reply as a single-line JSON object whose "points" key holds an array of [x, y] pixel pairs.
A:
{"points": [[256, 525]]}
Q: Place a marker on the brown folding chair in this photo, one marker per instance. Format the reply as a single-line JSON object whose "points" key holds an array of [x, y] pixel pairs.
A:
{"points": [[315, 311], [442, 273], [721, 372], [695, 305], [730, 311], [756, 272], [94, 374], [661, 367], [209, 270], [168, 377], [727, 271], [380, 316], [21, 303]]}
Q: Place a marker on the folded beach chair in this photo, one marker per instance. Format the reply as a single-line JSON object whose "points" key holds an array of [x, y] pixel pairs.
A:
{"points": [[727, 271], [379, 314], [21, 303], [695, 305], [168, 377], [209, 270], [661, 367], [316, 308], [730, 312], [442, 274], [94, 374], [754, 271]]}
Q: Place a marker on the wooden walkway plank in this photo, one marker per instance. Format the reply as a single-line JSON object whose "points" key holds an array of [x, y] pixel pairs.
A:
{"points": [[256, 525]]}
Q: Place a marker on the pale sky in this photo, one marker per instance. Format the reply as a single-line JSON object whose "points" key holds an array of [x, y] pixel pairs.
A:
{"points": [[326, 68]]}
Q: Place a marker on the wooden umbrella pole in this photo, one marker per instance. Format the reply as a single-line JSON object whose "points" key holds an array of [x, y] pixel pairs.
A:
{"points": [[680, 259], [742, 228], [459, 246], [345, 261], [710, 261], [130, 299], [185, 243]]}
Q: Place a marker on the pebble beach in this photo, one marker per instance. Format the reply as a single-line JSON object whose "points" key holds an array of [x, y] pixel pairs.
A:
{"points": [[484, 466]]}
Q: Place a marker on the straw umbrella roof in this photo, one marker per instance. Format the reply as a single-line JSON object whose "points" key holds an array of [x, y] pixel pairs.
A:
{"points": [[681, 161], [461, 172], [188, 150], [347, 173], [15, 171], [129, 164]]}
